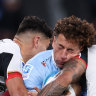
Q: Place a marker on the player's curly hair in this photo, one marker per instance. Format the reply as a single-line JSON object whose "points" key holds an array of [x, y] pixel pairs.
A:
{"points": [[75, 29], [35, 24]]}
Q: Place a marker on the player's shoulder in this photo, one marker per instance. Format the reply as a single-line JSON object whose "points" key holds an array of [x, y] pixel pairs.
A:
{"points": [[8, 46], [44, 52], [41, 56]]}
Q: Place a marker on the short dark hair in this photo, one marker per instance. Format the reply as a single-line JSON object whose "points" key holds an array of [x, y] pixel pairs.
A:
{"points": [[73, 28], [35, 24]]}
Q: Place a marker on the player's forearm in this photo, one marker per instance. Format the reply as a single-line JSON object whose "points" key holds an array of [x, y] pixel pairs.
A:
{"points": [[18, 93], [57, 87], [52, 89], [71, 73], [16, 87]]}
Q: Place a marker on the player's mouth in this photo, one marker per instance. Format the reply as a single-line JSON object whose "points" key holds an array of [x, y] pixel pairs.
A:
{"points": [[60, 65]]}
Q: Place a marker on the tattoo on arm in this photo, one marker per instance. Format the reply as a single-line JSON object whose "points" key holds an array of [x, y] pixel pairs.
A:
{"points": [[72, 71], [52, 89], [76, 67]]}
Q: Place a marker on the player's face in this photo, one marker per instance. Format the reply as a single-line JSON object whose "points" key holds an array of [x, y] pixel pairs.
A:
{"points": [[64, 50]]}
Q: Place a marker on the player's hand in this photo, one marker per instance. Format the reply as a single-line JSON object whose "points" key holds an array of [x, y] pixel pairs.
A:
{"points": [[37, 89], [34, 93]]}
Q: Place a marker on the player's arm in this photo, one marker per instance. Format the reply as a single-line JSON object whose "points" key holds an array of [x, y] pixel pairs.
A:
{"points": [[16, 87], [71, 72], [14, 80]]}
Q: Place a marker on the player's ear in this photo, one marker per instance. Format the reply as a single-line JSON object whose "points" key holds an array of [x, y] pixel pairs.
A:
{"points": [[36, 41], [53, 41], [17, 40]]}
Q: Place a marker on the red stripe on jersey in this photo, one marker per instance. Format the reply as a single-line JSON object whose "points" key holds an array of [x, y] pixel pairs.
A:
{"points": [[77, 56], [12, 75], [82, 60]]}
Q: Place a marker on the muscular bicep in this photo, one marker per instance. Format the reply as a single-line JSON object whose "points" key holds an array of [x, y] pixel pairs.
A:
{"points": [[73, 69], [16, 87]]}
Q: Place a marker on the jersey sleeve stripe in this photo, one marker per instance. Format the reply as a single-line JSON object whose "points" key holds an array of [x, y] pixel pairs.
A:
{"points": [[12, 75], [13, 72], [82, 60]]}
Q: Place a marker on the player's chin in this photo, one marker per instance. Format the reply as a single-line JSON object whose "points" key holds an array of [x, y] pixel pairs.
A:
{"points": [[60, 66]]}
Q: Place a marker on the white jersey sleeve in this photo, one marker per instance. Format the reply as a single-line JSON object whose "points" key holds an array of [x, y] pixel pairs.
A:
{"points": [[91, 70], [10, 58]]}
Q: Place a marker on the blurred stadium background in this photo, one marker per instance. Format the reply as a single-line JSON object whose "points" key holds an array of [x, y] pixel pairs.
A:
{"points": [[13, 11]]}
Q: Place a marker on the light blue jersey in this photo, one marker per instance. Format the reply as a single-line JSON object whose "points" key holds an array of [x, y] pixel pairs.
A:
{"points": [[38, 68]]}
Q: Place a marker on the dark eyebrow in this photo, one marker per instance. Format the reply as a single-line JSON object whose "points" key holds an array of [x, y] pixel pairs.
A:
{"points": [[61, 45]]}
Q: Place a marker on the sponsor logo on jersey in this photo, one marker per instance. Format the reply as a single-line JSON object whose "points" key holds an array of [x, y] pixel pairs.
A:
{"points": [[26, 71], [43, 63]]}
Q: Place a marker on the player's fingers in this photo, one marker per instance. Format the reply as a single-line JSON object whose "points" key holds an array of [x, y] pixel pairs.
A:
{"points": [[31, 93], [37, 89]]}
